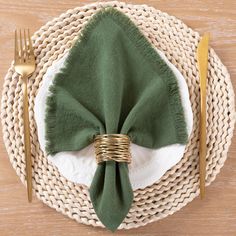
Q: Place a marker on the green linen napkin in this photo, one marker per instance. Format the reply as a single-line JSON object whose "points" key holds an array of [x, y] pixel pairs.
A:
{"points": [[113, 82]]}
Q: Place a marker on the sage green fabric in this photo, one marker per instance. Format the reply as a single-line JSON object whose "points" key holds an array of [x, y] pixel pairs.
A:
{"points": [[113, 82]]}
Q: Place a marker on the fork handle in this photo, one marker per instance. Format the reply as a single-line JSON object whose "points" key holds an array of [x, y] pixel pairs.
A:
{"points": [[27, 139]]}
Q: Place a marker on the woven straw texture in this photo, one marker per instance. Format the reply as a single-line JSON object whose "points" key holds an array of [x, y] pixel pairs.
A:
{"points": [[180, 185]]}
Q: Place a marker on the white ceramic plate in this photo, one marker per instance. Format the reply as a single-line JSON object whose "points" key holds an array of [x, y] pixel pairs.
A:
{"points": [[148, 165]]}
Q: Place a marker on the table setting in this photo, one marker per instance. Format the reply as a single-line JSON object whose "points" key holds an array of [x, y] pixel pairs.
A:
{"points": [[117, 115]]}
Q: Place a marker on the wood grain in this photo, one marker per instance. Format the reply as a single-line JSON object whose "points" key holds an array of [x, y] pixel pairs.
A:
{"points": [[216, 215]]}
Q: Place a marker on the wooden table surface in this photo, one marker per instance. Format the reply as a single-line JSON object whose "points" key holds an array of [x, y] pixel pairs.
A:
{"points": [[216, 215]]}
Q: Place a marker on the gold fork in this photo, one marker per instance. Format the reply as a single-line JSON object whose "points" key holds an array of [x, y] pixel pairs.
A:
{"points": [[25, 66]]}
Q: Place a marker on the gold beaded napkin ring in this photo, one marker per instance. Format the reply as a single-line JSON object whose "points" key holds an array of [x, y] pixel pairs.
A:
{"points": [[114, 147]]}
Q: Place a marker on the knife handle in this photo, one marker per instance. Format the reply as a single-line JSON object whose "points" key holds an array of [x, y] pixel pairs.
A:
{"points": [[202, 162]]}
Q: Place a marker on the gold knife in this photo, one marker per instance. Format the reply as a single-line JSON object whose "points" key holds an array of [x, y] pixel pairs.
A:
{"points": [[202, 58]]}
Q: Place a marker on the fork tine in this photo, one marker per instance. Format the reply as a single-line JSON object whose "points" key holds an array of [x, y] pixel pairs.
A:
{"points": [[21, 47], [16, 47], [30, 43], [25, 44]]}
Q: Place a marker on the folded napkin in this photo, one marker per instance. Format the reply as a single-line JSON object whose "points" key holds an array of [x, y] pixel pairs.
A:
{"points": [[113, 82]]}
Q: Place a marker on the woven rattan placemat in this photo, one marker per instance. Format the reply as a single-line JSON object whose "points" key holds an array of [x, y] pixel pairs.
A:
{"points": [[179, 185]]}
